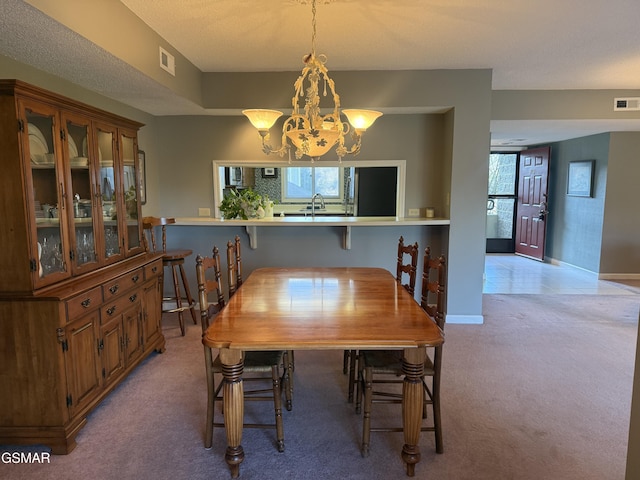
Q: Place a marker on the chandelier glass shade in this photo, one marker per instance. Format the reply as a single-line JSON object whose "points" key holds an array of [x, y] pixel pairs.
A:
{"points": [[306, 130]]}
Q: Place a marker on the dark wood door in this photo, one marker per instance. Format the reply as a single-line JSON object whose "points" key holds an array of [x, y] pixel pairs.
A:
{"points": [[531, 224]]}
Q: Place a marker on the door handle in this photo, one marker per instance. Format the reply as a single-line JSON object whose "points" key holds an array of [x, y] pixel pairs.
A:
{"points": [[542, 215]]}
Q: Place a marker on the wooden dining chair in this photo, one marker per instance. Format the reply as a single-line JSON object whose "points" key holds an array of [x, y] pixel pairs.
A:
{"points": [[234, 265], [173, 259], [258, 366], [377, 367], [234, 281], [406, 271]]}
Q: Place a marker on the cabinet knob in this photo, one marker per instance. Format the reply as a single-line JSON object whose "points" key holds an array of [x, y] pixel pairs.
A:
{"points": [[86, 303], [133, 297], [135, 278], [111, 311], [113, 289]]}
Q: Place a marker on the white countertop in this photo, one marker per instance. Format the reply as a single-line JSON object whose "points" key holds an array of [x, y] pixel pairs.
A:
{"points": [[327, 221]]}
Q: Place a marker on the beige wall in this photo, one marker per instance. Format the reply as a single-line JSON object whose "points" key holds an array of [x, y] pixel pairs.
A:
{"points": [[620, 253], [185, 164], [559, 104]]}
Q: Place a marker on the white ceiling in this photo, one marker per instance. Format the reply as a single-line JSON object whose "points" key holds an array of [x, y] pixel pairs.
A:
{"points": [[529, 44]]}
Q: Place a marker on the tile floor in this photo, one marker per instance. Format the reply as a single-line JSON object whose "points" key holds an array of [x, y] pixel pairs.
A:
{"points": [[515, 274]]}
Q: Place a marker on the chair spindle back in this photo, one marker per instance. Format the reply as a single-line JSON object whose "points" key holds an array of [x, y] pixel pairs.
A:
{"points": [[409, 268], [434, 274], [232, 267], [207, 285]]}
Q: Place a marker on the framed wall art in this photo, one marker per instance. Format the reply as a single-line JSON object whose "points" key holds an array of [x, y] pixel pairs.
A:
{"points": [[270, 172], [580, 178]]}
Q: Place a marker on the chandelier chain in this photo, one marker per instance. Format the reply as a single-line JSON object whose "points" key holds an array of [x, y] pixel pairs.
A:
{"points": [[313, 27]]}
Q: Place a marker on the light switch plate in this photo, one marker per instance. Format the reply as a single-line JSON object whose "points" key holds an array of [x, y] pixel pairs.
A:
{"points": [[204, 212]]}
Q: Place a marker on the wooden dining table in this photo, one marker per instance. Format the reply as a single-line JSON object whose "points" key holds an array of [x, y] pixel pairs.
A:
{"points": [[319, 308]]}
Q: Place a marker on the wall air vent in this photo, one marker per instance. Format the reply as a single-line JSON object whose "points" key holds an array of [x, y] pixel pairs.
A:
{"points": [[167, 62], [627, 103]]}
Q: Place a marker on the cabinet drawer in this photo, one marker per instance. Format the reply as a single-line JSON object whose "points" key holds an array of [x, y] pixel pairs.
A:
{"points": [[119, 305], [83, 303], [122, 284], [153, 269]]}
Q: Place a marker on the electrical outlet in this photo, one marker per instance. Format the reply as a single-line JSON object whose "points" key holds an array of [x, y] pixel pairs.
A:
{"points": [[414, 212], [204, 212]]}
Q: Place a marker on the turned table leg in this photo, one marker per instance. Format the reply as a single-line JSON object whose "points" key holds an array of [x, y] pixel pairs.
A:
{"points": [[233, 404], [412, 401]]}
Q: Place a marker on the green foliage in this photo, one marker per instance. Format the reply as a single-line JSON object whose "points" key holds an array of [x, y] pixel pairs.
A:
{"points": [[244, 204]]}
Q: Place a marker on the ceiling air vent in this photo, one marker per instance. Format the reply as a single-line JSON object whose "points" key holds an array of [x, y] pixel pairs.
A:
{"points": [[167, 62], [628, 103]]}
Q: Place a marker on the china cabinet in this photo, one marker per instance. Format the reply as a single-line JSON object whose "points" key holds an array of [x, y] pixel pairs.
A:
{"points": [[80, 299]]}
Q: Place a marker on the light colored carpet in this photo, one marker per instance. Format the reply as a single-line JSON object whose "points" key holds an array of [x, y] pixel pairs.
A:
{"points": [[542, 390]]}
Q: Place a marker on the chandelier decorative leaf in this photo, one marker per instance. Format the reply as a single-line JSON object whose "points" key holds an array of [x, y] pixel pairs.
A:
{"points": [[307, 131]]}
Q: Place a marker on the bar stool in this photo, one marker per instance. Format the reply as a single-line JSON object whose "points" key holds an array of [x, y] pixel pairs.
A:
{"points": [[174, 259]]}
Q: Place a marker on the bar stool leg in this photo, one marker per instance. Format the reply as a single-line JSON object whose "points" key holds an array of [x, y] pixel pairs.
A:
{"points": [[185, 284], [176, 289]]}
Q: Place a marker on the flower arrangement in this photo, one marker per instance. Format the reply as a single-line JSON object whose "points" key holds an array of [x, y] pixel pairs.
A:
{"points": [[245, 204]]}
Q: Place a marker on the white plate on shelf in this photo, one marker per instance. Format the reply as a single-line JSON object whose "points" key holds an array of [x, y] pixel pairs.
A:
{"points": [[73, 149], [37, 145], [35, 131]]}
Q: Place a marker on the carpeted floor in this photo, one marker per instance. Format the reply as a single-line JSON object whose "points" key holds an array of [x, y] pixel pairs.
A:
{"points": [[542, 390]]}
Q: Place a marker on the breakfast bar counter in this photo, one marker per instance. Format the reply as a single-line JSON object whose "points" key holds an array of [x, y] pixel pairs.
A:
{"points": [[252, 224]]}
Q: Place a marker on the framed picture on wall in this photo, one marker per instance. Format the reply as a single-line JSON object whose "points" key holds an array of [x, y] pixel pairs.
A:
{"points": [[143, 177], [269, 173], [580, 178]]}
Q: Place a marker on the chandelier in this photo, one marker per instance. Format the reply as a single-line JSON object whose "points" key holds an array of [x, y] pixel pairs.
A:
{"points": [[311, 133]]}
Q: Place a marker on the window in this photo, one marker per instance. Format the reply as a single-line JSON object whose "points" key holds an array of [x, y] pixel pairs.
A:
{"points": [[299, 184], [501, 204]]}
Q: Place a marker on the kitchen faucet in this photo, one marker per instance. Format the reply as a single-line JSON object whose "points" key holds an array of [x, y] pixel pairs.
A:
{"points": [[313, 203]]}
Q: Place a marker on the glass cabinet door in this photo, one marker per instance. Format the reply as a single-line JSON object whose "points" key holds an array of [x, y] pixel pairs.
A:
{"points": [[82, 194], [47, 184], [111, 247], [130, 187]]}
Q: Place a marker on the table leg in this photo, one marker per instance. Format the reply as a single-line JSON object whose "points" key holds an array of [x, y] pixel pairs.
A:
{"points": [[233, 404], [412, 401]]}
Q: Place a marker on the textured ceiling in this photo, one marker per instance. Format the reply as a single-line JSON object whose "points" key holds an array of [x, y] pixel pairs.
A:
{"points": [[529, 44]]}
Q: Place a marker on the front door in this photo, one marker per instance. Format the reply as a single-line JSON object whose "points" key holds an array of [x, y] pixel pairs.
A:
{"points": [[532, 203]]}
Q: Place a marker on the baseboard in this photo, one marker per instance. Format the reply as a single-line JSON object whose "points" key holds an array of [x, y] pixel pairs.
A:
{"points": [[465, 319], [601, 276], [619, 276], [554, 261]]}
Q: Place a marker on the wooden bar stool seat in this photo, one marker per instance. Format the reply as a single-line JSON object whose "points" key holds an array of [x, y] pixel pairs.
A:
{"points": [[173, 259]]}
